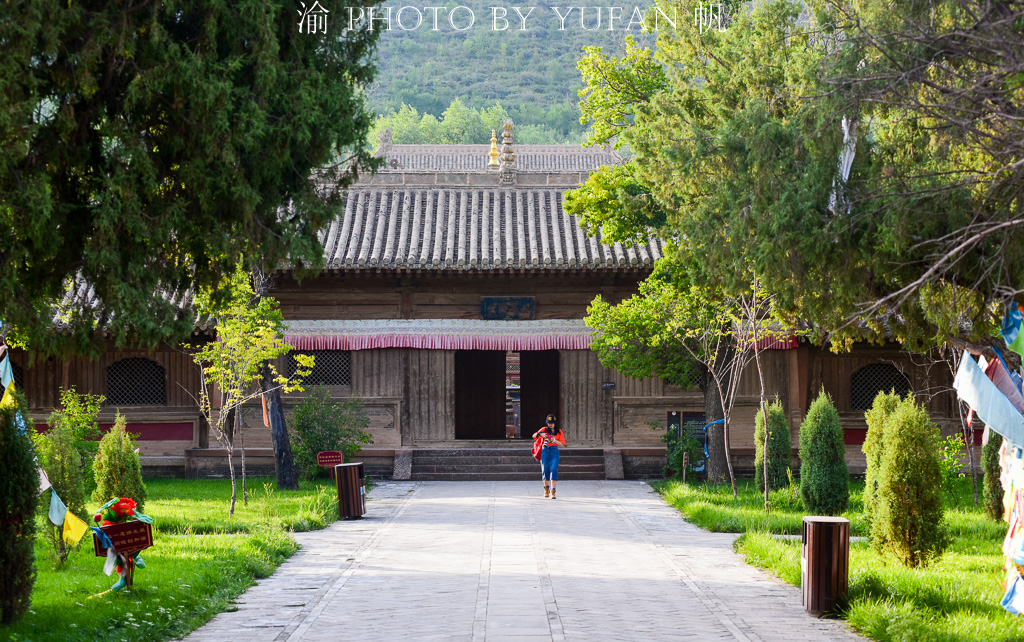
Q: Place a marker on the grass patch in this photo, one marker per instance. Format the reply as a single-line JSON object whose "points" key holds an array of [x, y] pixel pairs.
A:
{"points": [[712, 507], [200, 562], [954, 599]]}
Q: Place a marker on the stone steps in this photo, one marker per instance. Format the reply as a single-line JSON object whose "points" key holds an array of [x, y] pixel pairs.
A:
{"points": [[502, 464]]}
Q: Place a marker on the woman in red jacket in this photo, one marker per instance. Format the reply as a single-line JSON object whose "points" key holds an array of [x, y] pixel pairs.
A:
{"points": [[551, 437]]}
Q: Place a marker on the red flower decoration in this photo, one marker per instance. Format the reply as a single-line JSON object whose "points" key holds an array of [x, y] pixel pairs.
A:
{"points": [[124, 507]]}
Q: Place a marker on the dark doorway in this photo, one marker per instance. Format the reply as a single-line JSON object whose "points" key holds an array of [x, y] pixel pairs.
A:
{"points": [[480, 394], [540, 386]]}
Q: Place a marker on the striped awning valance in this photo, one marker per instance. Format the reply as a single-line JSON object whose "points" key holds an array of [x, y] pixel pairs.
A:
{"points": [[438, 334]]}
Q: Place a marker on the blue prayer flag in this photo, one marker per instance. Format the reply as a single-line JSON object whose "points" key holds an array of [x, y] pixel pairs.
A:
{"points": [[57, 510]]}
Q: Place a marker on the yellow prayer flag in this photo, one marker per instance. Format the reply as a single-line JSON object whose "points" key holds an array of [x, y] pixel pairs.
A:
{"points": [[74, 528], [8, 398]]}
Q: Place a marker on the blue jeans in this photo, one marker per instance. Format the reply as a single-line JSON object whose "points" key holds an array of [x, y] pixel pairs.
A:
{"points": [[549, 463]]}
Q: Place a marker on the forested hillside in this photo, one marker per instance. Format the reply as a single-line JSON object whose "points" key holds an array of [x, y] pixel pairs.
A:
{"points": [[532, 73]]}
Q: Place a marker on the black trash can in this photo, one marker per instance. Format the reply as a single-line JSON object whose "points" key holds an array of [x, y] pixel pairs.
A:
{"points": [[351, 482], [825, 563]]}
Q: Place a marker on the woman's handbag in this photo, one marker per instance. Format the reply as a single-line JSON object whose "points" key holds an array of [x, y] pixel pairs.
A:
{"points": [[537, 446]]}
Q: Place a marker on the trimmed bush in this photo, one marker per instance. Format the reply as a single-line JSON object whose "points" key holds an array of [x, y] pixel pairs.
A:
{"points": [[19, 493], [884, 405], [779, 448], [60, 458], [908, 500], [321, 423], [118, 468], [824, 479], [993, 489]]}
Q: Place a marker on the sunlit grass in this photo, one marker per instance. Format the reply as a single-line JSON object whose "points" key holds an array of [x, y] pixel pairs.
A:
{"points": [[954, 599], [200, 561]]}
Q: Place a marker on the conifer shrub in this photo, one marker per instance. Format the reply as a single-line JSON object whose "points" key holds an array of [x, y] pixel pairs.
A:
{"points": [[19, 494], [993, 489], [322, 423], [908, 499], [60, 458], [884, 405], [824, 479], [118, 467], [779, 448]]}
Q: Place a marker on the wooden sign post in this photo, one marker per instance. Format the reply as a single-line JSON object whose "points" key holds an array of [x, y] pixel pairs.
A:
{"points": [[329, 459], [126, 538]]}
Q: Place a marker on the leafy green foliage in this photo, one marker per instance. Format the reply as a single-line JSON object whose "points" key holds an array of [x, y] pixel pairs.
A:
{"points": [[531, 72], [993, 490], [19, 493], [148, 151], [460, 125], [118, 467], [322, 423], [908, 511], [79, 413], [884, 405], [614, 88], [780, 451], [824, 479], [950, 466], [738, 159], [250, 334], [680, 448], [60, 458]]}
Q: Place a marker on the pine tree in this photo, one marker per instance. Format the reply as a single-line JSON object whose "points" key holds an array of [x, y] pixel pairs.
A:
{"points": [[19, 493], [118, 467], [884, 405], [908, 503], [824, 479], [779, 448]]}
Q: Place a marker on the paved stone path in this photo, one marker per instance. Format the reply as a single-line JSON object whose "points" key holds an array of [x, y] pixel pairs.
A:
{"points": [[492, 561]]}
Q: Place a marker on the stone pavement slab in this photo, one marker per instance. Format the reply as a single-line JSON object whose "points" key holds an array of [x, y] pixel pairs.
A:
{"points": [[492, 561]]}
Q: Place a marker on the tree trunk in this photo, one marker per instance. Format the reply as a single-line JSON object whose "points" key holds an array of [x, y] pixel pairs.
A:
{"points": [[231, 473], [969, 442], [239, 434], [717, 466], [764, 413], [287, 476]]}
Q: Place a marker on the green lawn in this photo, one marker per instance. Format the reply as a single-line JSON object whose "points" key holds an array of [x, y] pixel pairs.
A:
{"points": [[956, 598], [200, 561]]}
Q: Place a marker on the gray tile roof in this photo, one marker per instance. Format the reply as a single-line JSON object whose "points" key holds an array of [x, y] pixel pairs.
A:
{"points": [[529, 158], [468, 228]]}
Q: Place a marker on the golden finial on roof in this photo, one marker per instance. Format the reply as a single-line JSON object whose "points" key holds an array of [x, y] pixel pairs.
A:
{"points": [[493, 155]]}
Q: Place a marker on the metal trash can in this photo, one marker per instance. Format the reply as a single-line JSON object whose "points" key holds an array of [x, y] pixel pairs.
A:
{"points": [[825, 562], [351, 482]]}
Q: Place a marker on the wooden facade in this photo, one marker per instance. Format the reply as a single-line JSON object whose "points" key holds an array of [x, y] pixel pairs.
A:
{"points": [[430, 239]]}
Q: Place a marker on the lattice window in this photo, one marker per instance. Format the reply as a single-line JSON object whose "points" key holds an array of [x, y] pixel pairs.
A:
{"points": [[19, 377], [866, 383], [331, 368], [136, 382]]}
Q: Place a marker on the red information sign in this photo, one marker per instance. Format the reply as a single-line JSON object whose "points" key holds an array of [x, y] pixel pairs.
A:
{"points": [[329, 458], [127, 538]]}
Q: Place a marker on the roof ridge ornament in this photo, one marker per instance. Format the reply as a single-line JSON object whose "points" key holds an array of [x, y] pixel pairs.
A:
{"points": [[493, 155], [508, 155]]}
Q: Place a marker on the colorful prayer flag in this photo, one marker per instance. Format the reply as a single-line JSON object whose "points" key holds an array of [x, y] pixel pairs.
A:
{"points": [[57, 509], [6, 379], [1011, 322], [74, 528], [991, 405], [44, 481]]}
